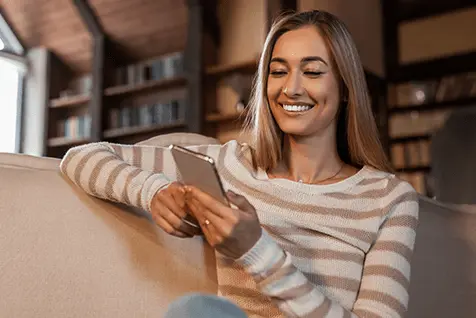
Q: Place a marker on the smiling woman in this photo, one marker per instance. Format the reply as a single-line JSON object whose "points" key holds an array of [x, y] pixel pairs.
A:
{"points": [[318, 226]]}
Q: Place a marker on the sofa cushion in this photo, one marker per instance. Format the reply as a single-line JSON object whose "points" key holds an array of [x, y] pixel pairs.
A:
{"points": [[66, 254]]}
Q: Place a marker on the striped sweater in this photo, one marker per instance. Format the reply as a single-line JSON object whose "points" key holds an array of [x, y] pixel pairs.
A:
{"points": [[336, 250]]}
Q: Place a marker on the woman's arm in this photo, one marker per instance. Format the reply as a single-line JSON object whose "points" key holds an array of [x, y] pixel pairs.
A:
{"points": [[386, 274], [123, 173]]}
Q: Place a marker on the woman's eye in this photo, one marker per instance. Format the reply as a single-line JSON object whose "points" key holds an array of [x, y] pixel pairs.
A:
{"points": [[278, 73], [313, 73]]}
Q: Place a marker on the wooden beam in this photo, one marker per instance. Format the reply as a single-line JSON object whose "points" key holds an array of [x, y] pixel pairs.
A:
{"points": [[275, 7], [96, 104], [89, 17], [193, 66], [96, 109]]}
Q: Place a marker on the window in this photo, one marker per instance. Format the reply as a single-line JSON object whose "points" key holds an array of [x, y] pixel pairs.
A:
{"points": [[12, 67], [9, 106]]}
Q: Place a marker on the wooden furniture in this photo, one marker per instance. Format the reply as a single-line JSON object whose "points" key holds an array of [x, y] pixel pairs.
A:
{"points": [[422, 94]]}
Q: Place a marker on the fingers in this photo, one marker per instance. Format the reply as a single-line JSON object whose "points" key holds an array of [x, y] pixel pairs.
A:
{"points": [[162, 223], [208, 201], [240, 201], [210, 229], [171, 199]]}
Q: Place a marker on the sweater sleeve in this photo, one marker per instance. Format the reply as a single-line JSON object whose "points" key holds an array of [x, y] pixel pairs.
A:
{"points": [[129, 174], [385, 280]]}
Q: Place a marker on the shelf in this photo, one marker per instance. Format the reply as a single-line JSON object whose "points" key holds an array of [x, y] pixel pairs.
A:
{"points": [[131, 131], [459, 103], [414, 169], [223, 70], [215, 118], [66, 141], [70, 101], [146, 86], [405, 139], [435, 68]]}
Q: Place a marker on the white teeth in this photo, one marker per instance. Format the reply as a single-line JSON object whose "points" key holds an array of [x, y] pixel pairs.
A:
{"points": [[296, 108]]}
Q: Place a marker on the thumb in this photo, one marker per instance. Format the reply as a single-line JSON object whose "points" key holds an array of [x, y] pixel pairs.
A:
{"points": [[240, 201]]}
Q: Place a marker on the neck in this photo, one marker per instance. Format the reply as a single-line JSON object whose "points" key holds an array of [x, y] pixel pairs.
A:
{"points": [[310, 159]]}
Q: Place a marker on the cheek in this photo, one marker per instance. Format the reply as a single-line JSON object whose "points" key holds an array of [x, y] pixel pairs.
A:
{"points": [[274, 88], [324, 91]]}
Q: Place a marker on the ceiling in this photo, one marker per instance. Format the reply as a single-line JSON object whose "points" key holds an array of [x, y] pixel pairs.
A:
{"points": [[141, 28]]}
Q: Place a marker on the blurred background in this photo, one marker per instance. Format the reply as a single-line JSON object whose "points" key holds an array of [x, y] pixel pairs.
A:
{"points": [[78, 71]]}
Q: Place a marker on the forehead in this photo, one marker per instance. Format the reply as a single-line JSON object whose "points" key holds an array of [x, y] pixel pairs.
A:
{"points": [[302, 42]]}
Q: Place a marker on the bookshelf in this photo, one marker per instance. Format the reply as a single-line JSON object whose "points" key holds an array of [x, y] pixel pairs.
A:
{"points": [[150, 85], [71, 101], [422, 94], [123, 99]]}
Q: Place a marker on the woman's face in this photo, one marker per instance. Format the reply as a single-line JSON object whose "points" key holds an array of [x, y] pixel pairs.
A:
{"points": [[303, 90]]}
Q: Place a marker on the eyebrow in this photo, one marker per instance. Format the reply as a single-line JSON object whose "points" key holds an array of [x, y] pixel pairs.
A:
{"points": [[306, 59]]}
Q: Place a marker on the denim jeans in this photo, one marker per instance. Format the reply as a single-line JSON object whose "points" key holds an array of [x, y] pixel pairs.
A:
{"points": [[203, 306]]}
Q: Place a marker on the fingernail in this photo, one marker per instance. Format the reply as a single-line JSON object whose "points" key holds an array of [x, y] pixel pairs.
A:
{"points": [[233, 194]]}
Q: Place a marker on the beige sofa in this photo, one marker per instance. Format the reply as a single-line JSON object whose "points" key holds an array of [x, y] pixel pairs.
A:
{"points": [[65, 254]]}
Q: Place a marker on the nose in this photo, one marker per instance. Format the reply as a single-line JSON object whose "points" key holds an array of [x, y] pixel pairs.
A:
{"points": [[293, 85]]}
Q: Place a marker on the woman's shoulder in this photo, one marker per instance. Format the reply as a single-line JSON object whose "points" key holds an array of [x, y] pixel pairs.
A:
{"points": [[387, 183]]}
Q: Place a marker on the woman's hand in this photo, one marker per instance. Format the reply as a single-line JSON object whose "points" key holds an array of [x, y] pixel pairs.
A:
{"points": [[232, 232], [168, 210]]}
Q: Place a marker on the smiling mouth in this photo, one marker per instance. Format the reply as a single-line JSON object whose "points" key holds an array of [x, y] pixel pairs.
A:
{"points": [[296, 108]]}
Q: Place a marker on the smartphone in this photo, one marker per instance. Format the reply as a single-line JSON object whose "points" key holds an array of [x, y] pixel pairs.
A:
{"points": [[199, 170]]}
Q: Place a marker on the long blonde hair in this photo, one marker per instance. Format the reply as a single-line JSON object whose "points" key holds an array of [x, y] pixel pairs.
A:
{"points": [[357, 135]]}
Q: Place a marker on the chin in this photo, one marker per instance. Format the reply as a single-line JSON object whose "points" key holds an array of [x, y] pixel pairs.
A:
{"points": [[297, 128]]}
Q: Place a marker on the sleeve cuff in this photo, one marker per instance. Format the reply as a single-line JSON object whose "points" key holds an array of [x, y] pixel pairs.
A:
{"points": [[263, 258], [158, 182]]}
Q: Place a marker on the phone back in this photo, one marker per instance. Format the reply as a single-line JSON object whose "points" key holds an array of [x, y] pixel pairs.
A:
{"points": [[198, 170]]}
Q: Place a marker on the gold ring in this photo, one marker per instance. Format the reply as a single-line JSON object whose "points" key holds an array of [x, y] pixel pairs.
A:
{"points": [[207, 222]]}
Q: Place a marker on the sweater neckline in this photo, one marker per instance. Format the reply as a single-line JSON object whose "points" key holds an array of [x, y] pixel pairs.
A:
{"points": [[313, 188]]}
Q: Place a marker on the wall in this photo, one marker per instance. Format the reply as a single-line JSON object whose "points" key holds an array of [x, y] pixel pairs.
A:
{"points": [[438, 36], [364, 21], [35, 103]]}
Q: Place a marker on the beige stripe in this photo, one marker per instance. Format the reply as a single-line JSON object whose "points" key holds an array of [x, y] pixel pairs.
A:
{"points": [[130, 176], [323, 254], [136, 157], [245, 156], [365, 313], [230, 290], [338, 282], [306, 208], [370, 194], [393, 246], [294, 292], [109, 189], [278, 273], [381, 270], [83, 163], [322, 310], [361, 235], [158, 160], [369, 181], [403, 220], [385, 299], [93, 178], [118, 150], [67, 159]]}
